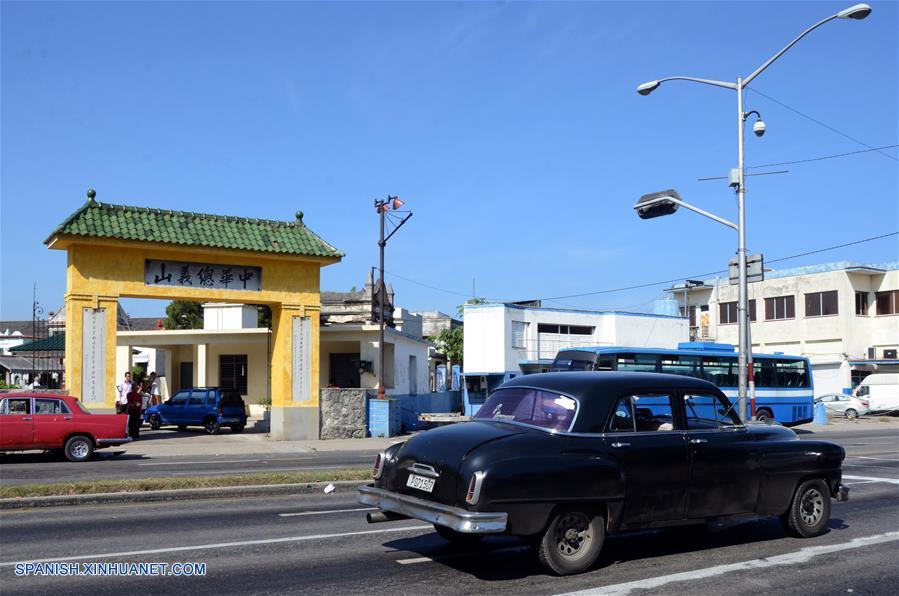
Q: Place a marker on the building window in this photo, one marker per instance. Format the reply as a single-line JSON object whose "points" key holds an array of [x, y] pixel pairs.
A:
{"points": [[781, 307], [727, 312], [887, 302], [861, 303], [821, 304], [519, 331], [564, 329], [233, 372]]}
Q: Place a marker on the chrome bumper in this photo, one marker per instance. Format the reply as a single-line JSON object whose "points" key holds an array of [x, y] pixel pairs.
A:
{"points": [[113, 441], [460, 520]]}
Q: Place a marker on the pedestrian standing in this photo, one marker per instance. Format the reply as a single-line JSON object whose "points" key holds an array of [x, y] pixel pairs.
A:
{"points": [[122, 391], [135, 411], [155, 393]]}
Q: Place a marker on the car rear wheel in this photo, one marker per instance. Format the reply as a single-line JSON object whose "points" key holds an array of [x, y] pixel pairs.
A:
{"points": [[571, 542], [810, 510], [455, 537], [211, 426], [79, 448], [851, 414], [237, 428], [155, 422]]}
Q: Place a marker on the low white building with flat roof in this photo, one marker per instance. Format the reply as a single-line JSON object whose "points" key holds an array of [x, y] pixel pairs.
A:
{"points": [[513, 339], [844, 316]]}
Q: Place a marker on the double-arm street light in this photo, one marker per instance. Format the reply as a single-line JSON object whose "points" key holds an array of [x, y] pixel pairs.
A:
{"points": [[667, 202]]}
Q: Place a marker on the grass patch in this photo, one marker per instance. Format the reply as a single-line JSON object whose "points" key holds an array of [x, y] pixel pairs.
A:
{"points": [[145, 484]]}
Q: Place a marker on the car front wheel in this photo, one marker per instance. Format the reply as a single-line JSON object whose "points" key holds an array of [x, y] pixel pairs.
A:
{"points": [[79, 448], [851, 414], [155, 422], [571, 542], [810, 510]]}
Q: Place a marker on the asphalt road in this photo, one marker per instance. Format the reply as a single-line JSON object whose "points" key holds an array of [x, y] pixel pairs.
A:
{"points": [[320, 544]]}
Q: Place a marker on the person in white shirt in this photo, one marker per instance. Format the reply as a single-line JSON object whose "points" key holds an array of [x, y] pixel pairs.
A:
{"points": [[122, 391], [155, 393]]}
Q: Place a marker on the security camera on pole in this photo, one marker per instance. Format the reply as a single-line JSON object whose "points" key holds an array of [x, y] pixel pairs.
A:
{"points": [[667, 202], [383, 207]]}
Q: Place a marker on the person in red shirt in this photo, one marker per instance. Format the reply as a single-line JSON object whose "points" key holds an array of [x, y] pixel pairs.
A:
{"points": [[134, 410]]}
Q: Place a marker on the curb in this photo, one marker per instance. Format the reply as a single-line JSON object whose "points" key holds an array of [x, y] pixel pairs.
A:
{"points": [[218, 492]]}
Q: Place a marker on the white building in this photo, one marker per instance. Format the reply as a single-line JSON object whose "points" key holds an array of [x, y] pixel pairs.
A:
{"points": [[843, 316], [512, 339]]}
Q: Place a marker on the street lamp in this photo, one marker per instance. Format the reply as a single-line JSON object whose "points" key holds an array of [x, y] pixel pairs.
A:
{"points": [[660, 204]]}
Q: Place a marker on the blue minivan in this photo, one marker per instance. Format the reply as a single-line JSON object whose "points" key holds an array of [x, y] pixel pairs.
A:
{"points": [[209, 407]]}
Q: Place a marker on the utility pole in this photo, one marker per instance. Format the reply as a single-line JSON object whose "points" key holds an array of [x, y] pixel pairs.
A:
{"points": [[383, 206]]}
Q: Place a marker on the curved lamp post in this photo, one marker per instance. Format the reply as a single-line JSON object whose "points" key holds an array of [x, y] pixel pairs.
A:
{"points": [[856, 12]]}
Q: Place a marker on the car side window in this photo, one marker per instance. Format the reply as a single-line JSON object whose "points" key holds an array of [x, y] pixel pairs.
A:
{"points": [[197, 398], [210, 398], [708, 412], [622, 416], [653, 412], [16, 406], [179, 399], [50, 406]]}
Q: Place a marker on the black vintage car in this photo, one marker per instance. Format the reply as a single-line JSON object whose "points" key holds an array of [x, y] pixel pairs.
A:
{"points": [[564, 459]]}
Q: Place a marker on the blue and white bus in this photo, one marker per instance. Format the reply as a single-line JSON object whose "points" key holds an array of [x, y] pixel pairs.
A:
{"points": [[783, 384]]}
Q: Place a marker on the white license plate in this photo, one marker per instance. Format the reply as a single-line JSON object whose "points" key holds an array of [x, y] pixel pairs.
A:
{"points": [[420, 483]]}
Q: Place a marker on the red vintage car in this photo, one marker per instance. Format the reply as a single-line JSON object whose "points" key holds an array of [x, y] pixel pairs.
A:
{"points": [[57, 422]]}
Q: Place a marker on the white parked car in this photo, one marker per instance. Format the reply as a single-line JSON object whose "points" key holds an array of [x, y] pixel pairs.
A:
{"points": [[844, 405]]}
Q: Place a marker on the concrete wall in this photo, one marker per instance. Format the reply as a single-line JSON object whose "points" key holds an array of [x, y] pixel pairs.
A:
{"points": [[344, 414]]}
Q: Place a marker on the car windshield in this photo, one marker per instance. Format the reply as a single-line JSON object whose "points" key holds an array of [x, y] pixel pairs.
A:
{"points": [[545, 409]]}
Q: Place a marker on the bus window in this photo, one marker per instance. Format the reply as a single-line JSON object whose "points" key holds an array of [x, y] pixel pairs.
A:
{"points": [[720, 370], [681, 365], [638, 362], [791, 374], [763, 369], [603, 364]]}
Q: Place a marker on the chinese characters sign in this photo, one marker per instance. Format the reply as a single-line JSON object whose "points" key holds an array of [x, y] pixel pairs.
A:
{"points": [[202, 275]]}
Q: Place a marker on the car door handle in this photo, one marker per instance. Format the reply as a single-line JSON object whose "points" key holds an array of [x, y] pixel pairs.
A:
{"points": [[617, 445], [29, 418], [67, 418], [698, 441]]}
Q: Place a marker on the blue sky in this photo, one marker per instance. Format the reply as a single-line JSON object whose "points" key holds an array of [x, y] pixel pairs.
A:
{"points": [[512, 130]]}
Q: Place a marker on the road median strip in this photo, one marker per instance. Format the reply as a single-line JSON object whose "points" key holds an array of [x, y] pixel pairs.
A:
{"points": [[168, 488]]}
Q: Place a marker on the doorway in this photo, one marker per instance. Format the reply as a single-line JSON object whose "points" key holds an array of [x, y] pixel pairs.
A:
{"points": [[186, 378], [344, 370]]}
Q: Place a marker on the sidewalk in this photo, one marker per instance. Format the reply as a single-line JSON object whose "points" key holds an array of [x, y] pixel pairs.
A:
{"points": [[195, 442], [841, 424]]}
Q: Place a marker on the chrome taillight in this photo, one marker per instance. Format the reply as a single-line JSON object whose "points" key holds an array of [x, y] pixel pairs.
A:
{"points": [[378, 468], [474, 488]]}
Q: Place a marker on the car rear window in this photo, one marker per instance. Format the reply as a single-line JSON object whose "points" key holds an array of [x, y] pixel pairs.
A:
{"points": [[81, 407], [231, 398], [545, 409]]}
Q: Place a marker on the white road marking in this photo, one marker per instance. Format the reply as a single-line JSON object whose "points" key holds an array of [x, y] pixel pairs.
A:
{"points": [[254, 470], [189, 463], [325, 512], [794, 558], [117, 556], [876, 458], [872, 479], [510, 549]]}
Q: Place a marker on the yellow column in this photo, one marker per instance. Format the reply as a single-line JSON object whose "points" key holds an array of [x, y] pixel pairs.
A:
{"points": [[293, 420], [74, 365]]}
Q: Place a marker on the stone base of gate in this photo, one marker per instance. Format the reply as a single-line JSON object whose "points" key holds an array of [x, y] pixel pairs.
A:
{"points": [[294, 423]]}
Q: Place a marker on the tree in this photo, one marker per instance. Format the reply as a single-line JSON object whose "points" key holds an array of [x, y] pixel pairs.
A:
{"points": [[184, 314], [264, 319], [461, 307], [450, 342]]}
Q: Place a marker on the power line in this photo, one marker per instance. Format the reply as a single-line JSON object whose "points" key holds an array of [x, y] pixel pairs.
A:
{"points": [[655, 283], [818, 122], [823, 157]]}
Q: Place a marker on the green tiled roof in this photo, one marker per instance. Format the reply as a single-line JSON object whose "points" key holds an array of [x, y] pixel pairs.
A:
{"points": [[122, 222], [55, 342]]}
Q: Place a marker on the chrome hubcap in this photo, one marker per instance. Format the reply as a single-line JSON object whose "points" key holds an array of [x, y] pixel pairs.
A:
{"points": [[573, 537], [812, 507], [79, 450]]}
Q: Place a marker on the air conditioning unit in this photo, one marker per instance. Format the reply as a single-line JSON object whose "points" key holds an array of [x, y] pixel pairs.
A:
{"points": [[890, 354], [872, 353]]}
